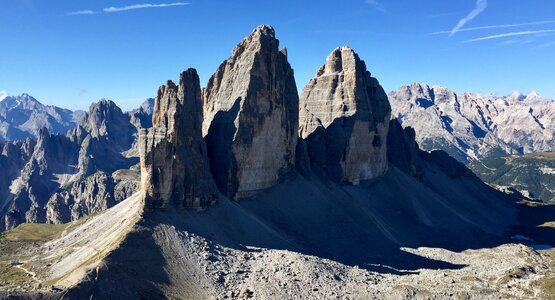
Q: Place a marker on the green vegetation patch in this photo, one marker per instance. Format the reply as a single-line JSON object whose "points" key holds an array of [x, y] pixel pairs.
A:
{"points": [[35, 232], [532, 173]]}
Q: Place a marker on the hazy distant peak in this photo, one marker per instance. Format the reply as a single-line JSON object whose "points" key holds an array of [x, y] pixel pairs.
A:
{"points": [[23, 116], [516, 95], [533, 96]]}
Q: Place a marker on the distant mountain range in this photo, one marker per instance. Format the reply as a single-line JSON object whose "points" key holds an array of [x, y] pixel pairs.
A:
{"points": [[470, 126], [504, 140], [23, 116], [50, 176]]}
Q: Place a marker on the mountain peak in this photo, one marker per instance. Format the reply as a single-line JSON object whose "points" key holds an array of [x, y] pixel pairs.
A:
{"points": [[265, 30], [516, 95], [344, 106], [533, 96], [251, 97], [464, 123], [262, 38], [182, 179], [3, 95], [106, 119], [342, 60]]}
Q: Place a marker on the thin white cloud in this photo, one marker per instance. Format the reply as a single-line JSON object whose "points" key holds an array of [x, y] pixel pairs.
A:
{"points": [[518, 41], [3, 95], [81, 12], [377, 5], [481, 5], [142, 6], [503, 35], [496, 27]]}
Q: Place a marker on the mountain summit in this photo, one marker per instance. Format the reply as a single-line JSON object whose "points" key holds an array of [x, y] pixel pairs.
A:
{"points": [[344, 117], [251, 116], [174, 163]]}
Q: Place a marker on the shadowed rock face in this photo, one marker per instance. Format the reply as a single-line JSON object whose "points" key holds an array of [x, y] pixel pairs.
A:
{"points": [[402, 149], [174, 164], [105, 119], [251, 116], [52, 155], [344, 118]]}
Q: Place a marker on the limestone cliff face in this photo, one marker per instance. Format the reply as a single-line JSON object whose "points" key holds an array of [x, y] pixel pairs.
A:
{"points": [[251, 116], [402, 149], [344, 118], [174, 163]]}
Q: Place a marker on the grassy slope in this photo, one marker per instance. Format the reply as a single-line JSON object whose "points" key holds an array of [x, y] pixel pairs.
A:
{"points": [[41, 255]]}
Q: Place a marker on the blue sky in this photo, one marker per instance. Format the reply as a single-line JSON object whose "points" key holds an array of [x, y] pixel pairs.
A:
{"points": [[70, 53]]}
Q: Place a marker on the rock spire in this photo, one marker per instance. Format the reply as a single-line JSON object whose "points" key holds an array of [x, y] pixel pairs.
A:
{"points": [[174, 163], [344, 118], [251, 116]]}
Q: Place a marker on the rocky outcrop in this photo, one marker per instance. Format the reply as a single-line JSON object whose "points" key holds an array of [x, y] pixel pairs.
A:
{"points": [[13, 157], [92, 194], [344, 118], [174, 164], [251, 116]]}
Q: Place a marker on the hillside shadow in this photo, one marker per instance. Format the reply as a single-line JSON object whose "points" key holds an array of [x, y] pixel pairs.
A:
{"points": [[133, 271], [537, 225], [334, 228], [367, 226], [360, 252]]}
